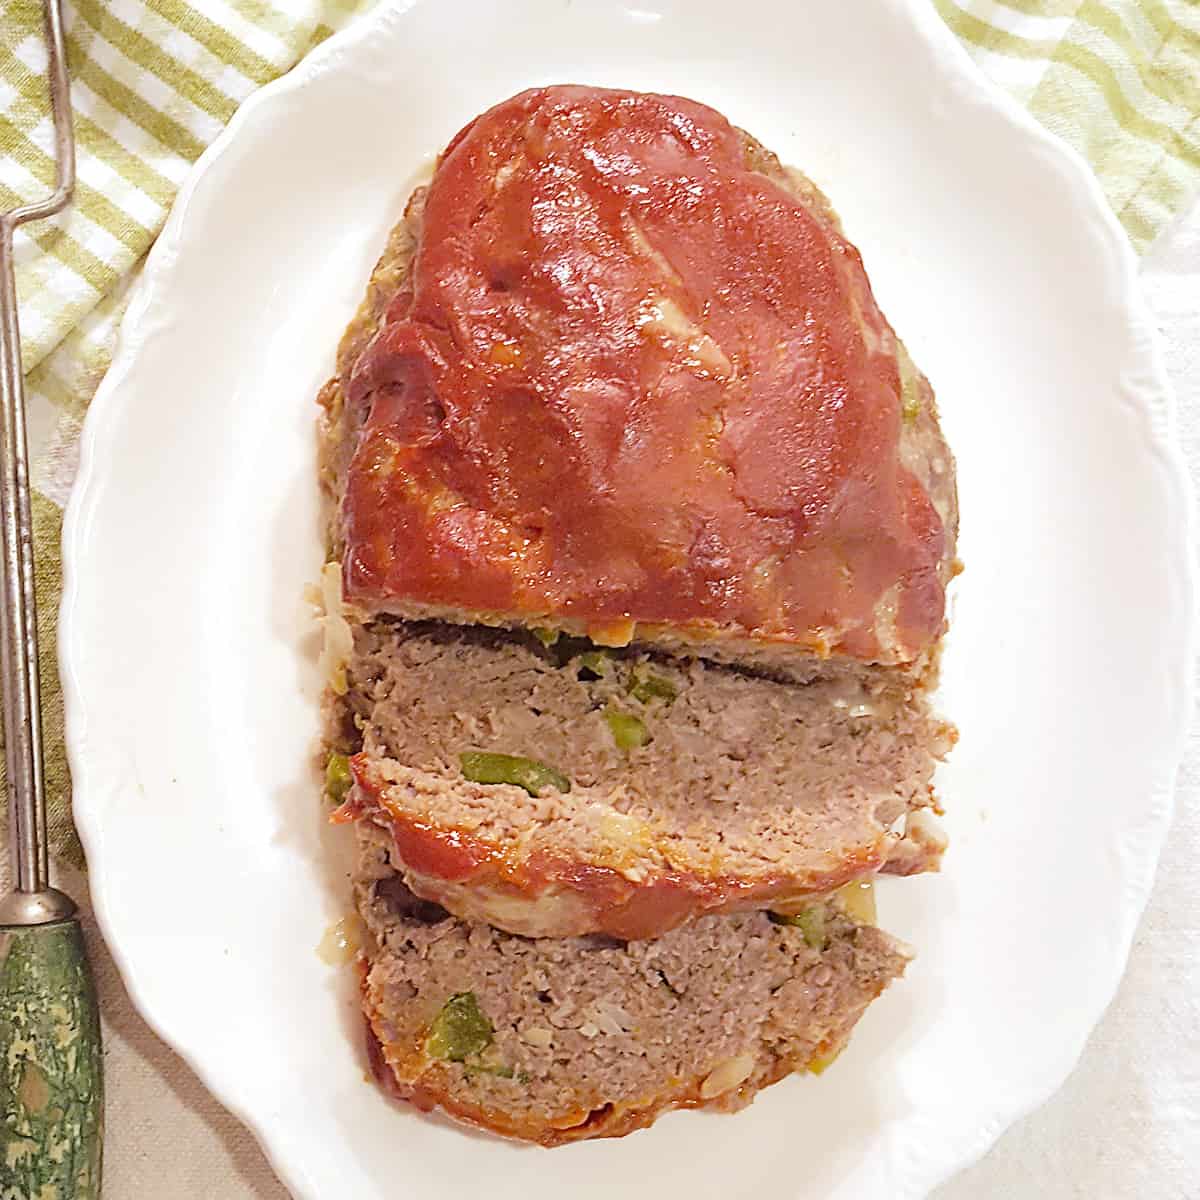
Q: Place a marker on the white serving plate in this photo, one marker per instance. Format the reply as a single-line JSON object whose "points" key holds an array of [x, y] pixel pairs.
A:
{"points": [[189, 659]]}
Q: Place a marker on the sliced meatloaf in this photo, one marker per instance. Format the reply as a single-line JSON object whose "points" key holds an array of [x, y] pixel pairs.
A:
{"points": [[559, 790], [619, 374], [556, 1040]]}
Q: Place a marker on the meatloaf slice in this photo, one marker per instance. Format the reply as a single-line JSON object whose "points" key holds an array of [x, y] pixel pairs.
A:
{"points": [[619, 373], [557, 1040], [663, 789]]}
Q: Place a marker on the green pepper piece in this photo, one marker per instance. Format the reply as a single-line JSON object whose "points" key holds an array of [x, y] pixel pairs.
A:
{"points": [[480, 766], [595, 661], [629, 732], [460, 1030], [810, 922], [646, 686], [338, 780]]}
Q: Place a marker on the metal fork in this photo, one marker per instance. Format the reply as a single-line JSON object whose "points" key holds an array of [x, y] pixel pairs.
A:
{"points": [[51, 1081]]}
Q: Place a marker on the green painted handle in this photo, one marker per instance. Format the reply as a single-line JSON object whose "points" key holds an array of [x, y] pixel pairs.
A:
{"points": [[51, 1076]]}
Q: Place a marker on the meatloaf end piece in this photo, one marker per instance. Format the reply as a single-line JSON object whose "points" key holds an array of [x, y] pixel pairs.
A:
{"points": [[620, 374], [554, 1040], [672, 788]]}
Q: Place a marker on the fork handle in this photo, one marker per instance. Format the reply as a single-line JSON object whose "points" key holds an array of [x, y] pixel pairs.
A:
{"points": [[51, 1076]]}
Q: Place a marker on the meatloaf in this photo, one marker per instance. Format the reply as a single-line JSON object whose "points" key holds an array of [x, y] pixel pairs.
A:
{"points": [[641, 529], [555, 1040], [669, 788], [620, 374]]}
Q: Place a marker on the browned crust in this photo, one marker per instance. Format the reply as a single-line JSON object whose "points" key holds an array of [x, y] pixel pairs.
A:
{"points": [[336, 426]]}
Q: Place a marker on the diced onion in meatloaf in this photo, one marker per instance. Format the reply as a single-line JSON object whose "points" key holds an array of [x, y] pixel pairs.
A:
{"points": [[554, 1040], [507, 794]]}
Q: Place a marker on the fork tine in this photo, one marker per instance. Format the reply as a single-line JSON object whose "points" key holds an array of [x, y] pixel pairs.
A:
{"points": [[64, 133]]}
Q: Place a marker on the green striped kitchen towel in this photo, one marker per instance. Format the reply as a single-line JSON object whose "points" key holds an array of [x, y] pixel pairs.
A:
{"points": [[154, 81], [1119, 80]]}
